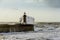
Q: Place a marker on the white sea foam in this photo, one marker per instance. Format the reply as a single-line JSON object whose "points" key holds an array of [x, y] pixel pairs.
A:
{"points": [[49, 33]]}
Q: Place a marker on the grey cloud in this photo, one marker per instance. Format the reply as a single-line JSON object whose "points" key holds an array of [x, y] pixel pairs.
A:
{"points": [[21, 3], [53, 3]]}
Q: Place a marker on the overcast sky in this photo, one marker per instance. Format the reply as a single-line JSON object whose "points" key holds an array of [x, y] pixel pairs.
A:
{"points": [[41, 10]]}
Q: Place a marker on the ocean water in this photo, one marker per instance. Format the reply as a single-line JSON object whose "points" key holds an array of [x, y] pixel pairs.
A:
{"points": [[49, 33]]}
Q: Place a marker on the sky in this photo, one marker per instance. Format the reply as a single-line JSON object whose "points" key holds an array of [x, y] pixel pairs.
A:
{"points": [[41, 10]]}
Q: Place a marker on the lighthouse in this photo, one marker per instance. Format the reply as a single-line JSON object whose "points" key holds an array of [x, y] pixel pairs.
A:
{"points": [[26, 23], [25, 19]]}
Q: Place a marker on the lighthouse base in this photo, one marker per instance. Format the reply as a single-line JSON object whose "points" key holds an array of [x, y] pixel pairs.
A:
{"points": [[26, 27], [17, 28]]}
